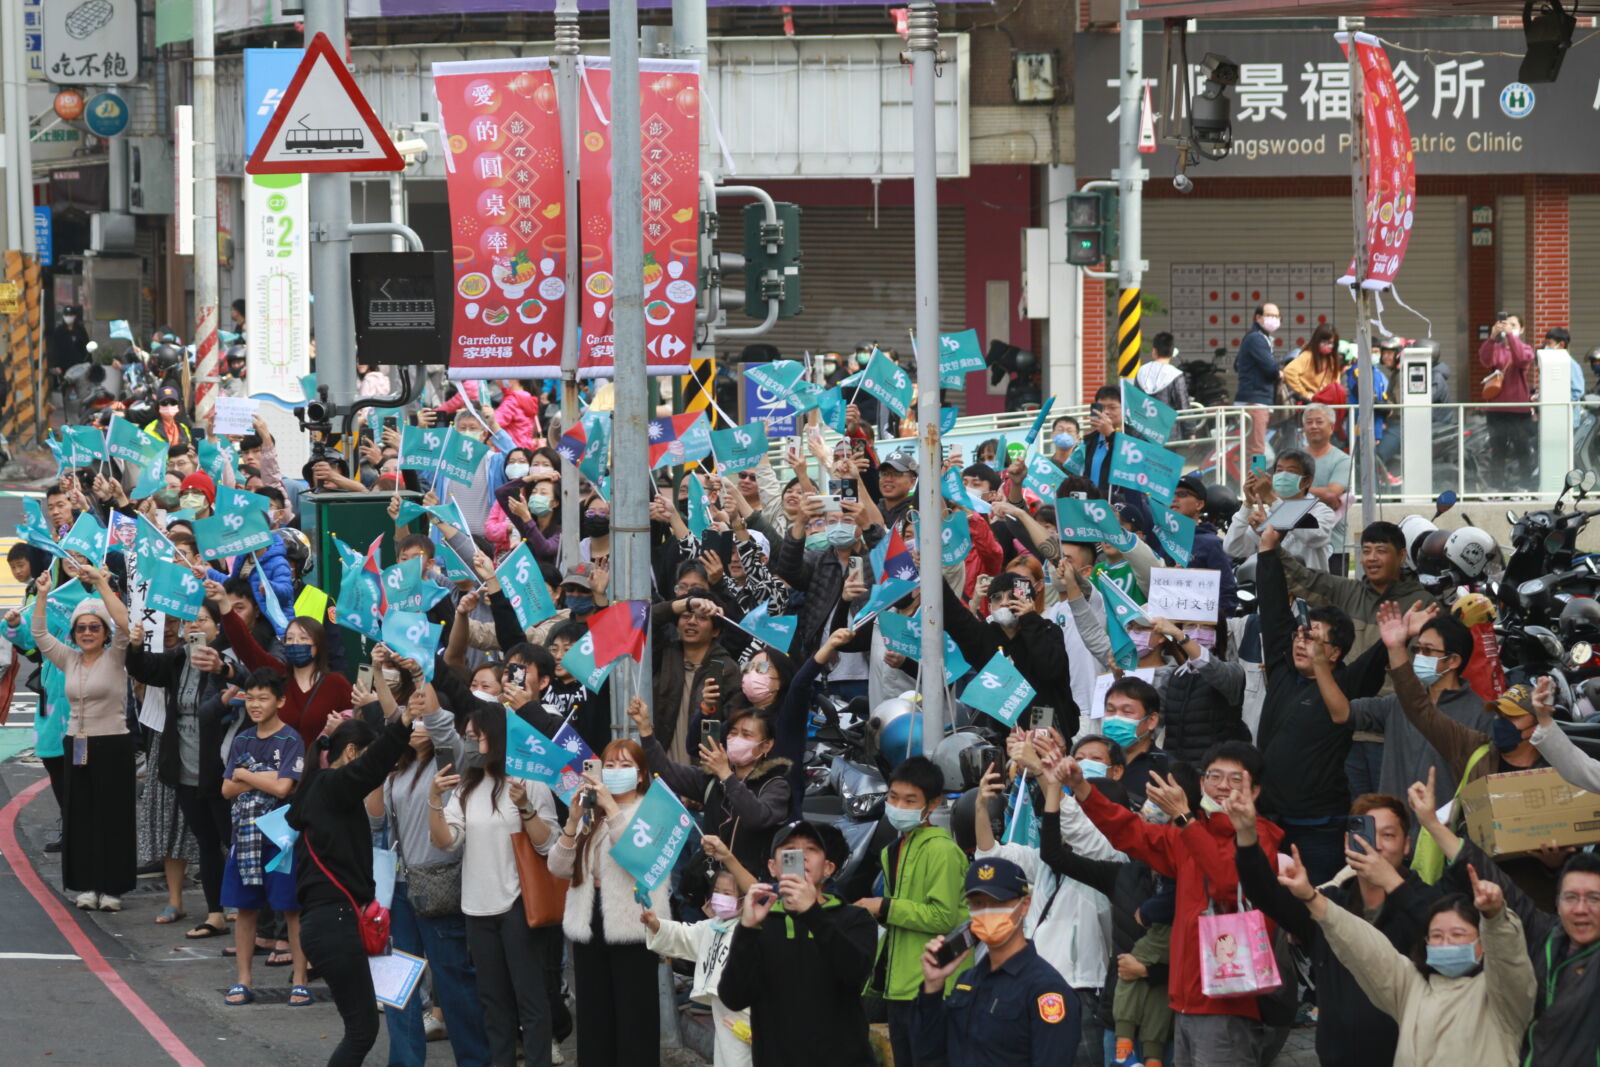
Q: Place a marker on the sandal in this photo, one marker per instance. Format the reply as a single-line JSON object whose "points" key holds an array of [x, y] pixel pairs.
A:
{"points": [[170, 914], [205, 930], [274, 961], [243, 992], [232, 951], [300, 997]]}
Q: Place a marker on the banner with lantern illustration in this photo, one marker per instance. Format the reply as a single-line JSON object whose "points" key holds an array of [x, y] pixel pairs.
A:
{"points": [[669, 134], [502, 138], [1391, 167]]}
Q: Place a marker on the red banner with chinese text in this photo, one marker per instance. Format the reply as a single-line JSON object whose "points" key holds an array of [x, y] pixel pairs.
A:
{"points": [[669, 135], [1391, 167], [502, 138]]}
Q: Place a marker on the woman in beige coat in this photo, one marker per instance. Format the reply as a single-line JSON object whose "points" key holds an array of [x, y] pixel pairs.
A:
{"points": [[1464, 997]]}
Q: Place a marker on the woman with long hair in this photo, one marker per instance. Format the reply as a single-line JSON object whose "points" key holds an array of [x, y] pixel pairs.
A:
{"points": [[1317, 366], [440, 936], [482, 813], [312, 692], [333, 864], [616, 973], [98, 832]]}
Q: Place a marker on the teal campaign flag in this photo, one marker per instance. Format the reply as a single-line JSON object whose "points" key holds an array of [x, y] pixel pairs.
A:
{"points": [[232, 534], [1043, 477], [84, 444], [901, 633], [58, 608], [741, 447], [411, 511], [455, 568], [59, 451], [230, 499], [778, 377], [357, 605], [777, 632], [1038, 420], [127, 442], [411, 636], [1145, 416], [1145, 467], [999, 690], [214, 460], [36, 530], [308, 385], [698, 518], [1175, 533], [150, 544], [831, 405], [422, 597], [531, 755], [955, 539], [881, 596], [888, 381], [579, 662], [421, 449], [947, 419], [1121, 612], [174, 590], [959, 354], [1077, 460], [88, 538], [523, 584], [400, 580], [659, 829], [953, 489], [1022, 824], [1091, 522], [462, 457]]}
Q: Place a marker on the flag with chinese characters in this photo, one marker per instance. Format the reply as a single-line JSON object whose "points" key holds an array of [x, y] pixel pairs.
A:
{"points": [[502, 158], [1391, 167], [999, 690], [530, 754], [888, 381], [669, 145], [676, 439]]}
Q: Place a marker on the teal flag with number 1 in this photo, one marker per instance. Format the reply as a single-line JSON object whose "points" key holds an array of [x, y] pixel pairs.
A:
{"points": [[649, 846]]}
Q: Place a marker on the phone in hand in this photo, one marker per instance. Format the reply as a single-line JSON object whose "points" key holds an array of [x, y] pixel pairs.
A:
{"points": [[517, 675], [364, 676], [1041, 718], [956, 942], [710, 732], [194, 639], [843, 488], [1360, 827], [792, 861], [857, 566], [1258, 463], [1302, 614]]}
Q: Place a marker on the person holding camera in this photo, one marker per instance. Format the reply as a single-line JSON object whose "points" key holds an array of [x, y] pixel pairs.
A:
{"points": [[1510, 362], [966, 1027]]}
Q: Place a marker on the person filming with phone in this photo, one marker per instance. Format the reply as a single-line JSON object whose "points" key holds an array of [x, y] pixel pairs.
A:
{"points": [[1510, 363], [1010, 1007]]}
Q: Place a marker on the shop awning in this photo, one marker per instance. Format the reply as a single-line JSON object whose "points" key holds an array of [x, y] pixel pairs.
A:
{"points": [[1262, 9]]}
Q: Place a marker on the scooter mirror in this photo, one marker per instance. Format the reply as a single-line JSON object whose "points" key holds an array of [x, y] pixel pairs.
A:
{"points": [[1590, 479], [1444, 502], [1511, 517], [1574, 478]]}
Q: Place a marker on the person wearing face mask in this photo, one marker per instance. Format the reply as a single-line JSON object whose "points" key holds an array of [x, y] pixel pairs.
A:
{"points": [[922, 874], [1080, 611], [963, 1027], [68, 343], [1064, 442], [707, 944], [745, 790], [170, 425], [1510, 362], [815, 557], [1202, 693], [1132, 718], [615, 972], [311, 691], [1256, 364], [1291, 478], [529, 502], [1033, 643], [1466, 992], [1316, 367]]}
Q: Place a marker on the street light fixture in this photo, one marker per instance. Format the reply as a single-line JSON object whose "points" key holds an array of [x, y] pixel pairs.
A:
{"points": [[1210, 125]]}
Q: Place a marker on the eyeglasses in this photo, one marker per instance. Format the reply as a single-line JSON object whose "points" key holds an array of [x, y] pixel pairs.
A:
{"points": [[1572, 900], [684, 590], [1438, 653], [1231, 778]]}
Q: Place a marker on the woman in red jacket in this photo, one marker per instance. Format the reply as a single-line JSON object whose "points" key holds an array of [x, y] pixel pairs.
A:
{"points": [[312, 692]]}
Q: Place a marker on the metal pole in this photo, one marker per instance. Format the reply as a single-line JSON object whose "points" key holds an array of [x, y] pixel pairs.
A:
{"points": [[689, 42], [397, 208], [332, 317], [205, 210], [11, 85], [1130, 186], [1367, 460], [630, 482], [567, 88], [923, 42]]}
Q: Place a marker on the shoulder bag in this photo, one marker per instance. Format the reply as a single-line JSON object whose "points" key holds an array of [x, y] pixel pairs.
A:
{"points": [[372, 921], [544, 896]]}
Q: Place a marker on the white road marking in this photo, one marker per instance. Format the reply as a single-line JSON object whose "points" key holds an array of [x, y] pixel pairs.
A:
{"points": [[38, 956]]}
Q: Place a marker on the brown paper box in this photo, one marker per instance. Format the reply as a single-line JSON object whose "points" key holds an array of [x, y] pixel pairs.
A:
{"points": [[1518, 811]]}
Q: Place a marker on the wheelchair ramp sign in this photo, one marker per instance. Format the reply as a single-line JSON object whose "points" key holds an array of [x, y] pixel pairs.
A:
{"points": [[323, 124]]}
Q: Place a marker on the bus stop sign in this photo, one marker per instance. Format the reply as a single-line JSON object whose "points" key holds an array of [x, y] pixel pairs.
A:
{"points": [[323, 124]]}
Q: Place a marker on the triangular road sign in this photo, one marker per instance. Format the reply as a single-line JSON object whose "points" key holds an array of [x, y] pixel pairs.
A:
{"points": [[323, 124]]}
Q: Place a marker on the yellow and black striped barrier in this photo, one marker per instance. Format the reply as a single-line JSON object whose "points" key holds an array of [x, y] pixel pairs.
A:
{"points": [[1128, 339]]}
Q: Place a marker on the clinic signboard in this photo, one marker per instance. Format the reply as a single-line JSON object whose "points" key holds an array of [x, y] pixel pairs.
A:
{"points": [[1467, 111]]}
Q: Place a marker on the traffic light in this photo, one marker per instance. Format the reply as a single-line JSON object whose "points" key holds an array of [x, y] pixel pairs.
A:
{"points": [[770, 274], [1091, 227]]}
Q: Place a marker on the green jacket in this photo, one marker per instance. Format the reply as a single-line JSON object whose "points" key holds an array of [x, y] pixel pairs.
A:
{"points": [[926, 901], [1355, 595]]}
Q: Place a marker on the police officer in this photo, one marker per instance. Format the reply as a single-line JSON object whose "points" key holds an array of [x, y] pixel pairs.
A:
{"points": [[1011, 1007]]}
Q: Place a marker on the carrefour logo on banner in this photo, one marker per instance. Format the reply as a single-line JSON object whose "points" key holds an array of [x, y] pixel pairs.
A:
{"points": [[1516, 100]]}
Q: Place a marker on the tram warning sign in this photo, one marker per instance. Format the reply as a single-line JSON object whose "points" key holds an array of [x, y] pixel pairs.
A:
{"points": [[323, 124]]}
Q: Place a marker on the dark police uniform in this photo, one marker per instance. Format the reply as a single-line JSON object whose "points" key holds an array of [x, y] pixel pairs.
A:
{"points": [[1022, 1013]]}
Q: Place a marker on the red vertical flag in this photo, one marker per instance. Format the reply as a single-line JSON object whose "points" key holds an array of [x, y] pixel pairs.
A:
{"points": [[1391, 167]]}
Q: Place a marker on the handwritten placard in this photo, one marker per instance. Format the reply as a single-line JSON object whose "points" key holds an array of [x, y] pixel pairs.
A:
{"points": [[1184, 594]]}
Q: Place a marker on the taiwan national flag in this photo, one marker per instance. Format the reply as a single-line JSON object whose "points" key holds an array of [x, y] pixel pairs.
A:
{"points": [[679, 439], [897, 576], [897, 562], [577, 751], [619, 631]]}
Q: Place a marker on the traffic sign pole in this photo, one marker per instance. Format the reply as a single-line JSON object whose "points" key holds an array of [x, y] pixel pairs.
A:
{"points": [[332, 317], [205, 211]]}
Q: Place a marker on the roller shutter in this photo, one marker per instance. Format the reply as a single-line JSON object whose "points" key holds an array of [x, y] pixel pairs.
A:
{"points": [[1585, 222], [1511, 240], [1288, 251]]}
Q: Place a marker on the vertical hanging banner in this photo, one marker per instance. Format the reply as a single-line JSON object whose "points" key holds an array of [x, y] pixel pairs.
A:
{"points": [[1391, 167], [277, 258], [669, 135], [502, 157]]}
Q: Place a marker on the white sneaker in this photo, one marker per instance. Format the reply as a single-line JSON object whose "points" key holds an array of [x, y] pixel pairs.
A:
{"points": [[110, 903], [433, 1028], [555, 1054], [88, 901]]}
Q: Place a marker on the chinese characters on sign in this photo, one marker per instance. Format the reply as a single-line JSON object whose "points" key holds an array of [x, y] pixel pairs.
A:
{"points": [[93, 42], [1183, 595]]}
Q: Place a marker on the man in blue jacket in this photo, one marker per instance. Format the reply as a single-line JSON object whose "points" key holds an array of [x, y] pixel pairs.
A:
{"points": [[1189, 500], [1257, 368]]}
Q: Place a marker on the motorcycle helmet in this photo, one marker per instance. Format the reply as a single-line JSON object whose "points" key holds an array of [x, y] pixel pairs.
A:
{"points": [[1469, 551], [962, 758], [1473, 608], [1221, 504], [894, 729], [961, 819], [1415, 529], [1245, 573], [1579, 620]]}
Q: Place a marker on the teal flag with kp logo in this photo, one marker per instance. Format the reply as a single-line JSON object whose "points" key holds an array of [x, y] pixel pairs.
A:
{"points": [[658, 831]]}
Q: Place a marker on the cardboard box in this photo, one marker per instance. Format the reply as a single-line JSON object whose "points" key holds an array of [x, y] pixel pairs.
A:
{"points": [[1519, 811]]}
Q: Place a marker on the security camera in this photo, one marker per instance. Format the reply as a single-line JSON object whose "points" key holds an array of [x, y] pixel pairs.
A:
{"points": [[414, 149], [1182, 183]]}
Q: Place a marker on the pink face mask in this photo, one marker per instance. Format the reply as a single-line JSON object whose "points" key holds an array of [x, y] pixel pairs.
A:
{"points": [[723, 906], [757, 685], [1141, 639], [741, 751]]}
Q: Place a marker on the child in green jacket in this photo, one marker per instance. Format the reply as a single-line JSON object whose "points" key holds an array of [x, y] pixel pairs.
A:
{"points": [[923, 870]]}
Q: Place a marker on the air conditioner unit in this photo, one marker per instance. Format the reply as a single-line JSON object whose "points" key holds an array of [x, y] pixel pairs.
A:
{"points": [[150, 179], [111, 232], [112, 287]]}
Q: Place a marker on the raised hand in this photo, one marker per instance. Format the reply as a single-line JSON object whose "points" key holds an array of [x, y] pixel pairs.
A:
{"points": [[1240, 807], [1487, 896], [1168, 795], [1424, 804], [640, 714], [1294, 878], [443, 782], [1392, 627], [1544, 703]]}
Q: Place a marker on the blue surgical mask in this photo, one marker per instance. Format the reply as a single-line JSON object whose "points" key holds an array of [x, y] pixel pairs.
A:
{"points": [[1124, 732], [619, 780], [299, 655], [1453, 961], [1505, 735], [1065, 442], [840, 534], [1426, 668], [1286, 483], [579, 604], [904, 820], [539, 504], [1092, 768]]}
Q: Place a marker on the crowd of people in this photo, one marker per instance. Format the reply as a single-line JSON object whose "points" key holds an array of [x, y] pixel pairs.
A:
{"points": [[1138, 801]]}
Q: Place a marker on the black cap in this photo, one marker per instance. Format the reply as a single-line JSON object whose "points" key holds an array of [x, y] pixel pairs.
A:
{"points": [[168, 395], [903, 461], [1192, 484], [997, 878], [826, 835]]}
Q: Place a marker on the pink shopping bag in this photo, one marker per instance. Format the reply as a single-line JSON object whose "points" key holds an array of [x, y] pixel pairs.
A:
{"points": [[1236, 953]]}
